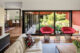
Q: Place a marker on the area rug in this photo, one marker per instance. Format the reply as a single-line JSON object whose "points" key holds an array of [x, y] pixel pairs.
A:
{"points": [[51, 47]]}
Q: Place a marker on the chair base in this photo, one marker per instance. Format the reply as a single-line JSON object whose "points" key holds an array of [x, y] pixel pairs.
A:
{"points": [[46, 38], [67, 37]]}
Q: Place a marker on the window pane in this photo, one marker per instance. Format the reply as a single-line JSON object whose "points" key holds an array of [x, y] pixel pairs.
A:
{"points": [[62, 20], [47, 20], [31, 22], [76, 21]]}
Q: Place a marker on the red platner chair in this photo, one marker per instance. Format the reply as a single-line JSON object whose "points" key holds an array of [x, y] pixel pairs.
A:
{"points": [[68, 30], [46, 30]]}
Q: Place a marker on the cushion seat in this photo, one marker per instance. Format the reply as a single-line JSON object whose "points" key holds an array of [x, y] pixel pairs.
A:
{"points": [[19, 46], [46, 30], [68, 30], [34, 52], [36, 47]]}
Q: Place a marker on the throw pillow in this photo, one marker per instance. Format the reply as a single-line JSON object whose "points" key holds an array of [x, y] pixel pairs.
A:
{"points": [[28, 41]]}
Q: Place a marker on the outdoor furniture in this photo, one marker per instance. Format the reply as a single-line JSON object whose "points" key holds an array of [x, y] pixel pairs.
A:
{"points": [[46, 30]]}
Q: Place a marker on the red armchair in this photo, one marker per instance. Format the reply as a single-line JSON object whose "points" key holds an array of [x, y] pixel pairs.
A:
{"points": [[68, 30], [46, 30]]}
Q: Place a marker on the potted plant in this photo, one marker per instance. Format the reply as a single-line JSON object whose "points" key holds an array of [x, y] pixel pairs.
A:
{"points": [[77, 44]]}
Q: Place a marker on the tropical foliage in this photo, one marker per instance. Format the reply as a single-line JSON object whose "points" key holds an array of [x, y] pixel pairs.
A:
{"points": [[48, 20], [77, 43]]}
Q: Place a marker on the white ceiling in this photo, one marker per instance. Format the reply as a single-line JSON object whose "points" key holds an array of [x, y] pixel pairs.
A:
{"points": [[46, 4]]}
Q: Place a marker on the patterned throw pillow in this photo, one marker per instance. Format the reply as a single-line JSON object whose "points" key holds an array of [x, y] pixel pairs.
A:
{"points": [[28, 41]]}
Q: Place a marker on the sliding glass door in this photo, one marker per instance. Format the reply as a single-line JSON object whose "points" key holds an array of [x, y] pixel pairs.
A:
{"points": [[31, 21], [35, 20], [47, 20], [61, 20]]}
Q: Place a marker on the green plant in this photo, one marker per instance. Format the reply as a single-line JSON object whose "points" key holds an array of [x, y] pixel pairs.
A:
{"points": [[16, 17], [60, 16], [47, 20], [77, 43], [60, 24], [41, 25]]}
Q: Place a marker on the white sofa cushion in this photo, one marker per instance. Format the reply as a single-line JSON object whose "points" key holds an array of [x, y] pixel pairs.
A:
{"points": [[15, 48], [36, 47], [34, 52], [22, 41], [20, 47]]}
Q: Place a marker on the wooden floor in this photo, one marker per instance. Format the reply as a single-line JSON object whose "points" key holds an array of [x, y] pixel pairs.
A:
{"points": [[15, 33], [56, 39]]}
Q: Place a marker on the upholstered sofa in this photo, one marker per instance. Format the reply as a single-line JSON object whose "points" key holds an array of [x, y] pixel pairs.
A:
{"points": [[19, 46]]}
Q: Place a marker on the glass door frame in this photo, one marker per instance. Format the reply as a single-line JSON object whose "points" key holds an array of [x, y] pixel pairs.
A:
{"points": [[70, 18], [23, 16], [6, 9]]}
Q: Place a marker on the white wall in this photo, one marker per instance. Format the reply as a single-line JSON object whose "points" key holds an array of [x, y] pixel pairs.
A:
{"points": [[3, 2], [12, 14], [13, 5], [47, 4], [2, 14], [51, 4]]}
